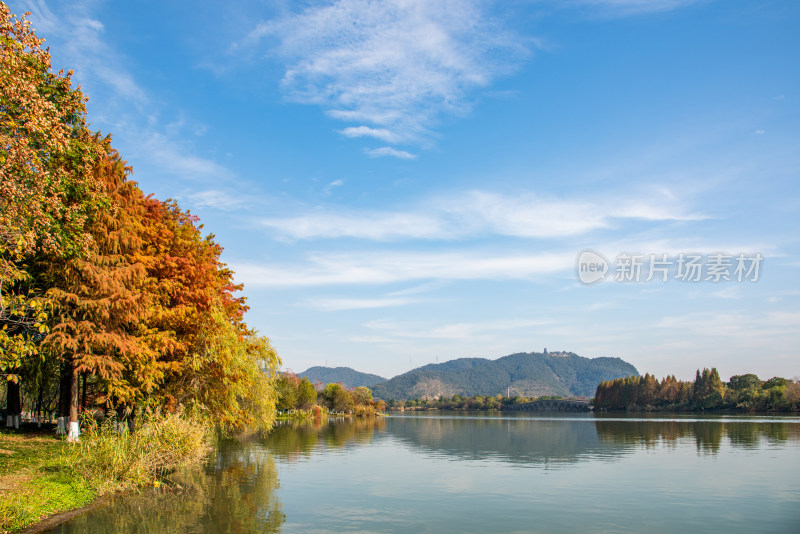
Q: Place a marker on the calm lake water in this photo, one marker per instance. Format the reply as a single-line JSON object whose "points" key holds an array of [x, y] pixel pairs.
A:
{"points": [[485, 473]]}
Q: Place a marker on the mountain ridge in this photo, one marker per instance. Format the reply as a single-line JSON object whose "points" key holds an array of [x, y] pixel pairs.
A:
{"points": [[524, 374], [344, 375]]}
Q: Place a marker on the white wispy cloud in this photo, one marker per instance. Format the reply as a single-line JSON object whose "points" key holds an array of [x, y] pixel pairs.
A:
{"points": [[376, 226], [83, 48], [329, 188], [633, 7], [481, 212], [390, 267], [117, 99], [417, 289], [365, 131], [216, 199], [455, 331], [745, 329], [728, 293], [343, 304], [388, 151], [174, 158], [393, 65]]}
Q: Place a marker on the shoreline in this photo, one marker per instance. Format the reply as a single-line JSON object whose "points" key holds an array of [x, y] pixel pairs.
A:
{"points": [[54, 520], [48, 481], [59, 518]]}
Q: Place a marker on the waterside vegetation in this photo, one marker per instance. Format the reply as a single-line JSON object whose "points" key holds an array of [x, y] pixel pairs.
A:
{"points": [[42, 474], [742, 393], [300, 399], [463, 403]]}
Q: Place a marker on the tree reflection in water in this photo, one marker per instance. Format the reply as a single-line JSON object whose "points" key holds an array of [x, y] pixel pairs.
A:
{"points": [[236, 492], [292, 440], [708, 435]]}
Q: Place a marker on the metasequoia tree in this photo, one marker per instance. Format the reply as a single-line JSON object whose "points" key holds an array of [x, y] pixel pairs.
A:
{"points": [[98, 280], [43, 201], [98, 297]]}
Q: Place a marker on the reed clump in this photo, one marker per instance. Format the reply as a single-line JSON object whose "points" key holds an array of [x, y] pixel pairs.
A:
{"points": [[362, 410], [113, 458]]}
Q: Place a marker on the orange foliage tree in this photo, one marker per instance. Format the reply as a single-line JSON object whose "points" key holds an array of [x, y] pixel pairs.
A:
{"points": [[121, 287]]}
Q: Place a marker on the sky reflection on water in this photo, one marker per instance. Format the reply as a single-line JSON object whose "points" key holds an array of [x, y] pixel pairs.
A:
{"points": [[478, 473]]}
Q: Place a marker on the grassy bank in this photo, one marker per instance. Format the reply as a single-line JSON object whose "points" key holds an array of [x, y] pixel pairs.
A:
{"points": [[35, 480], [41, 474]]}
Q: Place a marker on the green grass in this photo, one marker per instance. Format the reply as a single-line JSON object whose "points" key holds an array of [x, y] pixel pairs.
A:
{"points": [[34, 483]]}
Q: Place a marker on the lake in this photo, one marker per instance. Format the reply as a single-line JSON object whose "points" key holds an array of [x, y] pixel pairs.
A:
{"points": [[484, 472]]}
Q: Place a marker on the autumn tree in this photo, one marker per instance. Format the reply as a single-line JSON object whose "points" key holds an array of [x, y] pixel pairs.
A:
{"points": [[337, 398], [231, 376], [99, 281], [45, 195], [287, 389], [362, 395], [99, 298], [708, 389], [185, 280], [669, 390], [306, 394]]}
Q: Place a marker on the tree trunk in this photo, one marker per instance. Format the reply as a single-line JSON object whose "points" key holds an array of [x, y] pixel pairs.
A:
{"points": [[132, 421], [74, 428], [13, 405], [65, 383], [83, 397], [39, 401]]}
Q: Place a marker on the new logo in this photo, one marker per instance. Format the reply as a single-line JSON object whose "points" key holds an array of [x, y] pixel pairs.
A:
{"points": [[592, 266]]}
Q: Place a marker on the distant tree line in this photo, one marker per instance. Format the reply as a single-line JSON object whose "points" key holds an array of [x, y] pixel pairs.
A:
{"points": [[294, 393], [707, 392], [461, 402]]}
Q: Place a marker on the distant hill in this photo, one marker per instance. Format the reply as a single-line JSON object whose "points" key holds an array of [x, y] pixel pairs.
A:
{"points": [[526, 374], [344, 375]]}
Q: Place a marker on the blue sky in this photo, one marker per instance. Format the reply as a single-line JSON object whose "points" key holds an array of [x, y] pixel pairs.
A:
{"points": [[404, 182]]}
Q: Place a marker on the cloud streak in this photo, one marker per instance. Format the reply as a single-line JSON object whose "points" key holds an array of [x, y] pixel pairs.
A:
{"points": [[118, 99], [389, 151], [633, 7], [479, 213], [455, 331], [365, 131], [384, 268], [95, 63], [391, 67], [216, 199], [343, 304]]}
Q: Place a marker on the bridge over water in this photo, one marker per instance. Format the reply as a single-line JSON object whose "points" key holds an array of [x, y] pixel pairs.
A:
{"points": [[565, 405]]}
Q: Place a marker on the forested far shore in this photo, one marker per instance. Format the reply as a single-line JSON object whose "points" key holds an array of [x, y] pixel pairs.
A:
{"points": [[744, 393], [296, 395], [465, 403]]}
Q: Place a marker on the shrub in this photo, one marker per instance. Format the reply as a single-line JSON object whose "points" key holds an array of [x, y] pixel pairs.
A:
{"points": [[112, 459]]}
